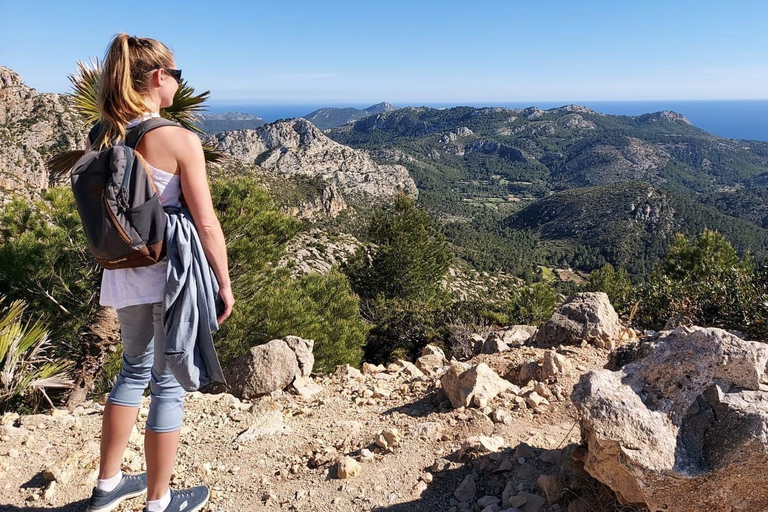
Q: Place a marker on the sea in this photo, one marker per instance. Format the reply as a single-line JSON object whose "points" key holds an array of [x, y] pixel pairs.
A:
{"points": [[735, 119]]}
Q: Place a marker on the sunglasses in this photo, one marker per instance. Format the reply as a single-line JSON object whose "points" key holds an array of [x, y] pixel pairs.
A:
{"points": [[175, 73]]}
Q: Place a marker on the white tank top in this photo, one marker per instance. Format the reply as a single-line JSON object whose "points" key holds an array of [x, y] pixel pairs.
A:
{"points": [[142, 285]]}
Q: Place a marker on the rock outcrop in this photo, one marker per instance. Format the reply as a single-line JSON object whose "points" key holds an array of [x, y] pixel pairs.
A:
{"points": [[33, 127], [583, 317], [298, 147], [272, 367], [684, 428]]}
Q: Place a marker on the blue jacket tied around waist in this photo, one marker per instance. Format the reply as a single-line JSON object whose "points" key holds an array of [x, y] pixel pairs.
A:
{"points": [[189, 307]]}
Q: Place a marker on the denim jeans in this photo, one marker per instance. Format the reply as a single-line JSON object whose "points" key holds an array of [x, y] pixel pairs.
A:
{"points": [[141, 327]]}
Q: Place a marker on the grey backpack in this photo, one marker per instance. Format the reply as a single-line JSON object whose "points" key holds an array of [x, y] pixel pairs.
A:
{"points": [[118, 204]]}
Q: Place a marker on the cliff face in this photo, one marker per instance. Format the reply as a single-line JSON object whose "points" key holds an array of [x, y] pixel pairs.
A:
{"points": [[297, 147], [33, 127]]}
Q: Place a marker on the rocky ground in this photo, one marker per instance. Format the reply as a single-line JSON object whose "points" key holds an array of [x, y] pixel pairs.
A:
{"points": [[391, 434]]}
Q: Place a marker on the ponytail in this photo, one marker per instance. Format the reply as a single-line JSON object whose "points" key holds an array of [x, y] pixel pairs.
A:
{"points": [[124, 81]]}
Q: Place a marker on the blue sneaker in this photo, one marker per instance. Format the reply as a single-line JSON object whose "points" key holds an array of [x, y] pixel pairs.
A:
{"points": [[129, 487], [188, 500]]}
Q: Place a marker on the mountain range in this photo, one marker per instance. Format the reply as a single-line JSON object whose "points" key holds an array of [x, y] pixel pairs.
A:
{"points": [[325, 118], [510, 188]]}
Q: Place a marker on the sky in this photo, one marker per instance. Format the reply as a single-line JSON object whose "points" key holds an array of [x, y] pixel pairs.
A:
{"points": [[364, 52]]}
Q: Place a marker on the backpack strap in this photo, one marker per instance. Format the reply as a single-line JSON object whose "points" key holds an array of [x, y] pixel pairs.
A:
{"points": [[135, 133]]}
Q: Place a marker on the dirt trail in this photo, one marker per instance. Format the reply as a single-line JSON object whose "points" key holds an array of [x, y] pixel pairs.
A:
{"points": [[295, 469]]}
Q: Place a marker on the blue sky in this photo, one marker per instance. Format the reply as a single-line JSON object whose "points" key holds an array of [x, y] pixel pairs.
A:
{"points": [[413, 51]]}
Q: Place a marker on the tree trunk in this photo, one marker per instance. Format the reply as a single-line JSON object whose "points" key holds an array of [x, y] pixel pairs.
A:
{"points": [[96, 338]]}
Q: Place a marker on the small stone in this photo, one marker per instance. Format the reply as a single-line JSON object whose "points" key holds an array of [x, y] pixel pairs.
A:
{"points": [[487, 500], [524, 451], [534, 400], [348, 467], [466, 490], [517, 501], [366, 454], [502, 416], [552, 487], [49, 491], [388, 438]]}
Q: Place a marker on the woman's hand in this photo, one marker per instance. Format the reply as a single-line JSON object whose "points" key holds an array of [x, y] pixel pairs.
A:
{"points": [[229, 301]]}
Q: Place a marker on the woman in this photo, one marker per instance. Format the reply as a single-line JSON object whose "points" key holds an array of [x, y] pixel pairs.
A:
{"points": [[140, 77]]}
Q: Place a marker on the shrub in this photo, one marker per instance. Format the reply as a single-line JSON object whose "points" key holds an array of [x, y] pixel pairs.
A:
{"points": [[45, 262], [270, 303], [410, 258], [615, 283], [705, 282], [532, 304], [27, 369], [401, 328], [315, 306]]}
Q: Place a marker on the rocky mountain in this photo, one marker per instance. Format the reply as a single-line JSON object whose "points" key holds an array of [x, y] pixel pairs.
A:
{"points": [[33, 127], [227, 121], [297, 147], [331, 117], [536, 151], [469, 160]]}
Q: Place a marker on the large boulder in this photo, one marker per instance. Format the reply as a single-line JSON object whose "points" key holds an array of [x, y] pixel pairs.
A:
{"points": [[303, 350], [263, 369], [517, 335], [474, 386], [586, 316], [684, 428]]}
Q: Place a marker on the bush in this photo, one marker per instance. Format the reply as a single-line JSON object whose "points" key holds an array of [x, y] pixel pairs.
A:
{"points": [[401, 328], [705, 282], [45, 262], [315, 306], [270, 302], [532, 304], [615, 283], [410, 258], [27, 369]]}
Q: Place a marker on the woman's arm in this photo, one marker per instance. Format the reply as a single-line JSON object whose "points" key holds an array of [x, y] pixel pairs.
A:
{"points": [[194, 185]]}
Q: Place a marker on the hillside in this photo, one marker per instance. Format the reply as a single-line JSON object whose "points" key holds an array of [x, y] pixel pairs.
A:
{"points": [[629, 224], [497, 160], [33, 127], [331, 117]]}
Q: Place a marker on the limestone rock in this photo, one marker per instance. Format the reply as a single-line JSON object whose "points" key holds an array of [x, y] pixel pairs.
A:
{"points": [[432, 361], [517, 335], [347, 467], [534, 400], [303, 350], [268, 420], [388, 438], [410, 370], [552, 488], [296, 147], [481, 444], [587, 316], [466, 489], [305, 386], [684, 428], [263, 369], [554, 365], [349, 372], [493, 345], [473, 386], [371, 369]]}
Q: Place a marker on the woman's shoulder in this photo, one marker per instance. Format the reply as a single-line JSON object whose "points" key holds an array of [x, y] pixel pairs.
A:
{"points": [[172, 138]]}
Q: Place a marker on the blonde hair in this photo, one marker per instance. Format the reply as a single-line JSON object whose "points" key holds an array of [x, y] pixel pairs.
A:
{"points": [[125, 79]]}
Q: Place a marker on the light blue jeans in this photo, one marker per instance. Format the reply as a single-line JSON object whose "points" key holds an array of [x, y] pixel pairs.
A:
{"points": [[143, 336]]}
